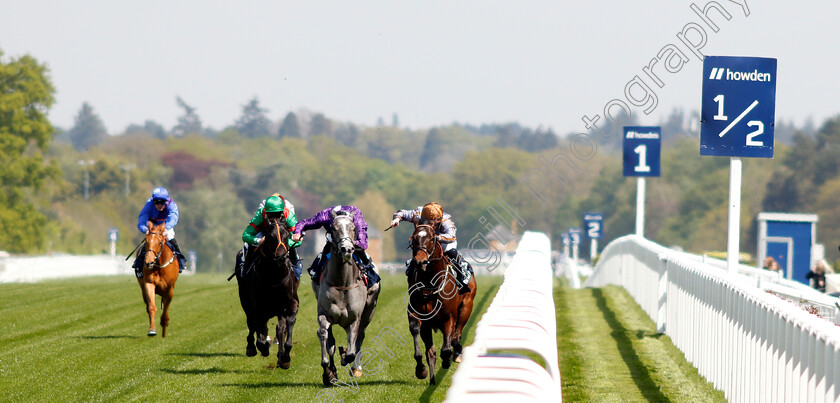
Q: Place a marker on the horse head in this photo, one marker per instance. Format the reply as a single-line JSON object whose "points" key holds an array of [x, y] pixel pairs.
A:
{"points": [[276, 235], [343, 234], [423, 244], [155, 241]]}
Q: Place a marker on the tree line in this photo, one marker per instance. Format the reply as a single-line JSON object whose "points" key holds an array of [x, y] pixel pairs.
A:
{"points": [[219, 177]]}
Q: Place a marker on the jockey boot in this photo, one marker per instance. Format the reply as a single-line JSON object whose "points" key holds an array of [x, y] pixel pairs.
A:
{"points": [[138, 263], [314, 270], [319, 263], [367, 267], [297, 263], [244, 257], [182, 260], [462, 270], [364, 258]]}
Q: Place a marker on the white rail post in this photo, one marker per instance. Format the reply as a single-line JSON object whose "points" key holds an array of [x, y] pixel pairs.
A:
{"points": [[640, 206], [662, 308], [733, 243]]}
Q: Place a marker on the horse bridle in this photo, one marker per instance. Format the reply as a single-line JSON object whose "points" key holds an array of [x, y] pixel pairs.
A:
{"points": [[337, 241], [280, 243], [435, 243], [160, 252], [335, 245]]}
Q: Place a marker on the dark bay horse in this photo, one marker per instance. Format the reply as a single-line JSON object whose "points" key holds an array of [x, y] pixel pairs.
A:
{"points": [[159, 275], [343, 299], [267, 289], [434, 302]]}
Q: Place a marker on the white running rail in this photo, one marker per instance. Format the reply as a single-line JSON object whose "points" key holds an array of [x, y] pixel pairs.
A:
{"points": [[520, 318], [749, 343]]}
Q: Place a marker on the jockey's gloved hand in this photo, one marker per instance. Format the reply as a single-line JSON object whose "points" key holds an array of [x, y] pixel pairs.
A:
{"points": [[260, 240], [294, 244], [395, 222]]}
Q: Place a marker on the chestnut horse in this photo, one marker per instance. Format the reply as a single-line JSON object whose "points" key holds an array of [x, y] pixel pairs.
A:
{"points": [[268, 288], [434, 302], [159, 275]]}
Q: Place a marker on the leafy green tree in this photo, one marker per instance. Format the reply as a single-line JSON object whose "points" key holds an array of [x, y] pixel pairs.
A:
{"points": [[26, 94], [290, 126], [346, 134], [253, 123], [149, 127], [89, 130], [211, 224], [106, 176], [189, 122], [320, 125], [434, 147]]}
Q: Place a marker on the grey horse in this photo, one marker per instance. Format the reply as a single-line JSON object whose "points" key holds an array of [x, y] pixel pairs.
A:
{"points": [[343, 299]]}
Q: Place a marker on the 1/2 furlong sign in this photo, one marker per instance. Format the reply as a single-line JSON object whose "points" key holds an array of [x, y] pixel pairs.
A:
{"points": [[738, 106]]}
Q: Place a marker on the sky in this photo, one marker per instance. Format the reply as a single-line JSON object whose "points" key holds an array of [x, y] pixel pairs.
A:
{"points": [[540, 63]]}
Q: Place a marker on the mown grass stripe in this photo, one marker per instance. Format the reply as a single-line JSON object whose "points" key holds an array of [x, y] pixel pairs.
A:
{"points": [[610, 351], [84, 340]]}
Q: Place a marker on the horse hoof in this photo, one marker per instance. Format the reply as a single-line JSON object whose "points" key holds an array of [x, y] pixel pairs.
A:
{"points": [[432, 380], [263, 347], [328, 378], [250, 351], [357, 373], [444, 364], [421, 372], [458, 358], [284, 362], [151, 333]]}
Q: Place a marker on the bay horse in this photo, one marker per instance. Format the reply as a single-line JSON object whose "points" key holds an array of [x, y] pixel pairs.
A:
{"points": [[343, 299], [434, 302], [160, 272], [268, 289]]}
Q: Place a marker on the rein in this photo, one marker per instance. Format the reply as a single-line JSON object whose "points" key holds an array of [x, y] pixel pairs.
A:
{"points": [[157, 255], [275, 255], [433, 290]]}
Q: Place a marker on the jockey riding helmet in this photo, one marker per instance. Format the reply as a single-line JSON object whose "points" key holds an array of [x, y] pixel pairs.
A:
{"points": [[274, 204], [432, 211], [160, 193]]}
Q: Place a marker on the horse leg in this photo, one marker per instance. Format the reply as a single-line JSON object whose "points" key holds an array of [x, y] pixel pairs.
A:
{"points": [[464, 312], [149, 297], [262, 331], [291, 319], [367, 315], [352, 335], [250, 349], [446, 349], [279, 335], [414, 327], [426, 335], [166, 299], [325, 335]]}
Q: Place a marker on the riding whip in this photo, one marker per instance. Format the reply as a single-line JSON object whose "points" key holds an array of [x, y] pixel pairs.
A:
{"points": [[135, 249]]}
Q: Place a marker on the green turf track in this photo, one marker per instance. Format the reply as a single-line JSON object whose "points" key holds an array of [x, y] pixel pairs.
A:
{"points": [[85, 340], [610, 352]]}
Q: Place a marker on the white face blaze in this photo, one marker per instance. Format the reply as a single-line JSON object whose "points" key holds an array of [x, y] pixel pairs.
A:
{"points": [[421, 233]]}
